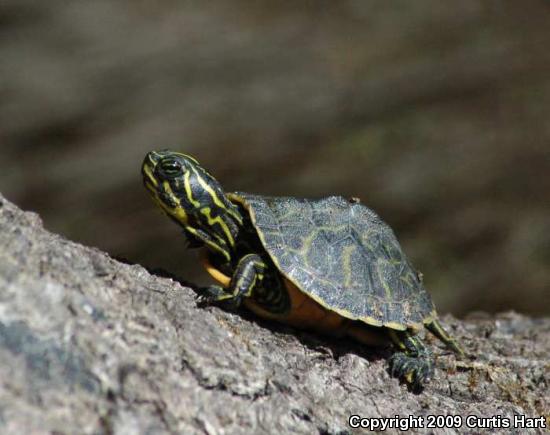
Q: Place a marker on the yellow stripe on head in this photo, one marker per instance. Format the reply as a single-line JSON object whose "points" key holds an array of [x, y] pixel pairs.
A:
{"points": [[216, 199], [177, 211], [148, 174], [206, 211], [185, 156], [188, 190]]}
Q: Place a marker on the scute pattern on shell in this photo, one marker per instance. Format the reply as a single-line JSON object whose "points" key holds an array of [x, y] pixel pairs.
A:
{"points": [[344, 256]]}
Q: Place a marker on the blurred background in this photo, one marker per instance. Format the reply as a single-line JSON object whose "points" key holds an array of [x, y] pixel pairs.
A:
{"points": [[436, 114]]}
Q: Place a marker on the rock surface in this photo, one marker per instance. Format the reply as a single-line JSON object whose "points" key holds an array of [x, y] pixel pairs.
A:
{"points": [[91, 345]]}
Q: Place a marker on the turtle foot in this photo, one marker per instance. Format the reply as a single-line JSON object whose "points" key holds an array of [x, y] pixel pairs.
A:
{"points": [[216, 295], [413, 370]]}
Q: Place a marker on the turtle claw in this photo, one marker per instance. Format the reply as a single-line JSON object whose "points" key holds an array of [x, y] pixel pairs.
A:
{"points": [[414, 371], [203, 301], [209, 295], [216, 295]]}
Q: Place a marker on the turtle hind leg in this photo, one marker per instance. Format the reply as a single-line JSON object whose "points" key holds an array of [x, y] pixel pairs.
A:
{"points": [[437, 329], [413, 363]]}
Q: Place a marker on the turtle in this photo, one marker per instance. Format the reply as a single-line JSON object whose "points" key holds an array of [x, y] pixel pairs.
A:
{"points": [[329, 265]]}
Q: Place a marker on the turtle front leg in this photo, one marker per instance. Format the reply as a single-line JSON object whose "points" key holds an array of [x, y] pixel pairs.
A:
{"points": [[248, 273], [413, 363]]}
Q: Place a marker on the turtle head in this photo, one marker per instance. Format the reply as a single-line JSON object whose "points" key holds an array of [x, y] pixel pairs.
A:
{"points": [[194, 199]]}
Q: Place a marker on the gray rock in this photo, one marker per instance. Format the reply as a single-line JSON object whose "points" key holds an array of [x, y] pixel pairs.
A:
{"points": [[91, 345]]}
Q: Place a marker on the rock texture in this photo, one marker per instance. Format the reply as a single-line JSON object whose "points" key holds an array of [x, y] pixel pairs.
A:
{"points": [[91, 345]]}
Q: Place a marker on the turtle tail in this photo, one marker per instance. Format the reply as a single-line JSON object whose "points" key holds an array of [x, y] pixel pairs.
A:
{"points": [[436, 329]]}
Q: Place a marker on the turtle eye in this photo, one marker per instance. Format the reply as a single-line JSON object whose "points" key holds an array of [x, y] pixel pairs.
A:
{"points": [[170, 168]]}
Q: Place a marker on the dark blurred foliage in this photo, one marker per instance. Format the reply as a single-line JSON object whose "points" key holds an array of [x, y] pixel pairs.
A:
{"points": [[435, 113]]}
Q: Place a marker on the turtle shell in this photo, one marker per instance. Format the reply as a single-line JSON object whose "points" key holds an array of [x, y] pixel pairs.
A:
{"points": [[342, 255]]}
